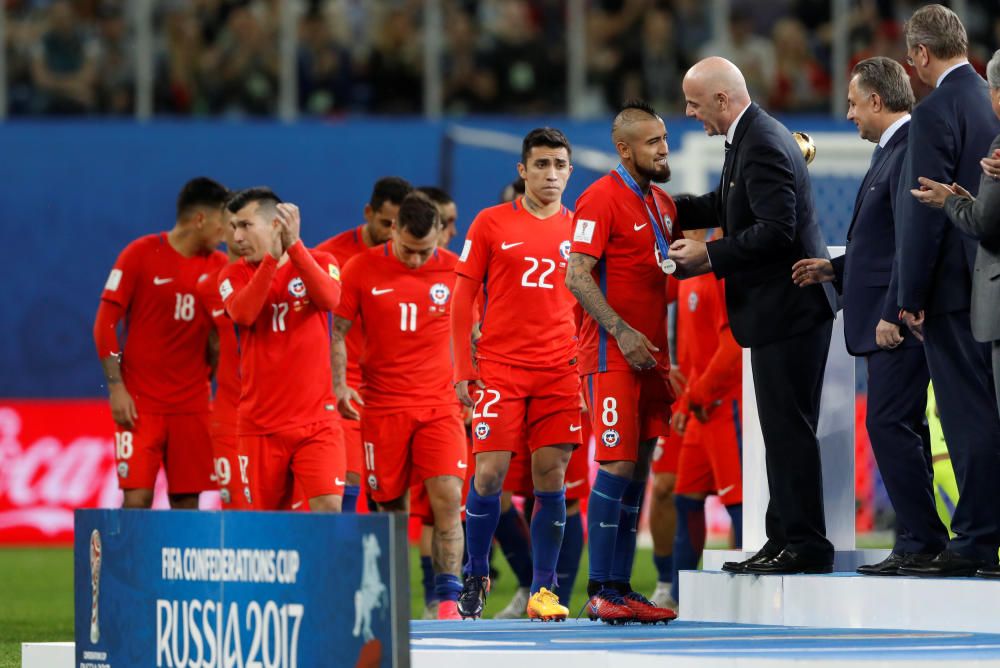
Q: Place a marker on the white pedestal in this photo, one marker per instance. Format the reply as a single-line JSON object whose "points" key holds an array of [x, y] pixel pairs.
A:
{"points": [[843, 601], [47, 654]]}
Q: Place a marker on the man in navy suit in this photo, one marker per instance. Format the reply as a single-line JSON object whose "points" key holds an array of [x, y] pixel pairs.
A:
{"points": [[879, 100], [951, 129], [764, 204]]}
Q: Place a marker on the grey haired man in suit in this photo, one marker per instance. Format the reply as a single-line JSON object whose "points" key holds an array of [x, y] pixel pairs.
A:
{"points": [[979, 218]]}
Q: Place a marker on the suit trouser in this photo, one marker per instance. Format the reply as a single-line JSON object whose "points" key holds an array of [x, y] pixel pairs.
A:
{"points": [[960, 370], [788, 383], [996, 372], [897, 399]]}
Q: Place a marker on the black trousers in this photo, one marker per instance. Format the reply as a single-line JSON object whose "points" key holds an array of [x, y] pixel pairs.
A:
{"points": [[897, 401], [788, 382], [963, 386]]}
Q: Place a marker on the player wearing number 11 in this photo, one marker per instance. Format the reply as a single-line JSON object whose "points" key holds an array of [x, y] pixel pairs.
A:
{"points": [[159, 385], [525, 388], [279, 294]]}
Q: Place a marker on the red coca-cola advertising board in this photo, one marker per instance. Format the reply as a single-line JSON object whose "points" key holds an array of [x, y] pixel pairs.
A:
{"points": [[56, 456]]}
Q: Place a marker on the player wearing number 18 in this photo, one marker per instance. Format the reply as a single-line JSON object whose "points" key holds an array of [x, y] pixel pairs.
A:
{"points": [[159, 384], [399, 294], [279, 293], [523, 382]]}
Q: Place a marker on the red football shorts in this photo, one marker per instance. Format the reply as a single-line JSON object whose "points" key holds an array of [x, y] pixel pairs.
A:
{"points": [[521, 410], [711, 455], [311, 455], [352, 445], [667, 453], [403, 448], [626, 407], [179, 442], [231, 474]]}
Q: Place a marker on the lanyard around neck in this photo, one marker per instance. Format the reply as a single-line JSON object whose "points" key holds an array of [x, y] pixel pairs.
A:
{"points": [[658, 219]]}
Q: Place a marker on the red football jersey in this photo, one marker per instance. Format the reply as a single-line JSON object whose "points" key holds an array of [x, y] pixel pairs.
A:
{"points": [[612, 225], [702, 329], [286, 380], [405, 316], [344, 246], [527, 318], [164, 364], [227, 373]]}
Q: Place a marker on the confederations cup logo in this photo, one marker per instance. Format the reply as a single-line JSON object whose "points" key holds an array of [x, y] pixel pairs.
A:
{"points": [[297, 288], [95, 583], [482, 431], [440, 294], [610, 438], [564, 249]]}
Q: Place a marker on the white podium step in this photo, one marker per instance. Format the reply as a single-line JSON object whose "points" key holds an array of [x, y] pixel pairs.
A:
{"points": [[842, 600], [48, 654]]}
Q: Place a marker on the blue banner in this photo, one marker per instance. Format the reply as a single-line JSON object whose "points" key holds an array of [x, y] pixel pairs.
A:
{"points": [[240, 589]]}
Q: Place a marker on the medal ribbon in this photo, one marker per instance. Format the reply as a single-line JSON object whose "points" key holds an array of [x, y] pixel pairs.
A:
{"points": [[656, 219]]}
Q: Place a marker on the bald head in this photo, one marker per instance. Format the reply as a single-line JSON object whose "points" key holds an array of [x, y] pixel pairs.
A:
{"points": [[715, 93]]}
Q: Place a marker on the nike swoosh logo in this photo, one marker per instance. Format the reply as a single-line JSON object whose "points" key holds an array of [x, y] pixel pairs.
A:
{"points": [[161, 281], [575, 483], [463, 465], [377, 292], [505, 245], [468, 514], [338, 481], [638, 227], [296, 505], [216, 314], [608, 526], [725, 490], [575, 427], [559, 524]]}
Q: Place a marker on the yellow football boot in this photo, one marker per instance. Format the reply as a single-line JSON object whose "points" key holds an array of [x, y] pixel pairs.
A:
{"points": [[544, 605]]}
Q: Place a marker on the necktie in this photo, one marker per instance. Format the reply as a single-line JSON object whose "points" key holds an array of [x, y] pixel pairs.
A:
{"points": [[725, 170], [875, 155]]}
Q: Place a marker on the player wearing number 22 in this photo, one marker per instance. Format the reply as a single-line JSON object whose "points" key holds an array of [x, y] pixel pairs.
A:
{"points": [[526, 388], [279, 294], [159, 385], [399, 294], [622, 229]]}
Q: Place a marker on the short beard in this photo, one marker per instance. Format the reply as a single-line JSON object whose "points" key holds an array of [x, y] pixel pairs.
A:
{"points": [[654, 175]]}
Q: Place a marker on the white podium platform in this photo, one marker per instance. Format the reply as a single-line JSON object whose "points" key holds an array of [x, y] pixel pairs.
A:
{"points": [[844, 561], [843, 600], [48, 654]]}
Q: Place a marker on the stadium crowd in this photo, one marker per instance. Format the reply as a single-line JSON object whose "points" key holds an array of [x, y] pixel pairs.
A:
{"points": [[220, 57]]}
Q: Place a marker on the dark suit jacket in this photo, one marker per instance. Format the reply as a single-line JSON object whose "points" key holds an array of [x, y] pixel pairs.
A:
{"points": [[951, 129], [980, 219], [766, 212], [864, 271]]}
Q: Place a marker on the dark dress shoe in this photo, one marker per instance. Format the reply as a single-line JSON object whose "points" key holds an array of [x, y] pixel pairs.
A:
{"points": [[948, 564], [891, 564], [787, 563], [741, 566], [992, 572]]}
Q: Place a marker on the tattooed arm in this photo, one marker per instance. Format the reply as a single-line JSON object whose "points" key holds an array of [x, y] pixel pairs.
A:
{"points": [[338, 361], [634, 345]]}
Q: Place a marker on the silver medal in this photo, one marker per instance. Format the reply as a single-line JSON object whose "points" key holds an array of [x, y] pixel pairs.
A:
{"points": [[668, 266]]}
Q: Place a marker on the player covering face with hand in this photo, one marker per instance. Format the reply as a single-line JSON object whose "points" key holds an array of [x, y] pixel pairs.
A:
{"points": [[523, 382], [279, 293]]}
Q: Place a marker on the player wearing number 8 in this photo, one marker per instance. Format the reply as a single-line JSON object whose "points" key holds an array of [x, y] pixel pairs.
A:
{"points": [[399, 294], [279, 294], [526, 387], [158, 385]]}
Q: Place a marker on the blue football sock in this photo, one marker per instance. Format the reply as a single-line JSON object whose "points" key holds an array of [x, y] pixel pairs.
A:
{"points": [[689, 540], [447, 587], [603, 510], [664, 567], [547, 526], [512, 534], [427, 568], [735, 511], [569, 557], [628, 527], [481, 516], [350, 502]]}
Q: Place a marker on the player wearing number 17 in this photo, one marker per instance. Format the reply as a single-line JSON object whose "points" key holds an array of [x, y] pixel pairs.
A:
{"points": [[279, 293], [159, 385], [526, 387], [622, 230]]}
